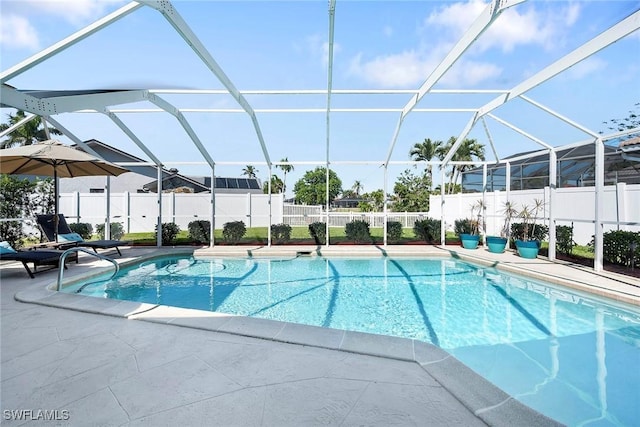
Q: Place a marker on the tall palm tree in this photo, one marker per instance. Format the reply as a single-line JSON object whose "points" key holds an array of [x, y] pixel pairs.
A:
{"points": [[250, 171], [357, 188], [285, 169], [425, 151], [277, 186], [469, 150], [27, 134]]}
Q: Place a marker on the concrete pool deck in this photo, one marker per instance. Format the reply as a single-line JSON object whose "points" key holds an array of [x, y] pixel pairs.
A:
{"points": [[186, 367]]}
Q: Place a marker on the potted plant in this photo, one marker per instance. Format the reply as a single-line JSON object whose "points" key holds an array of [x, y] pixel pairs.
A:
{"points": [[469, 229], [497, 244], [527, 240]]}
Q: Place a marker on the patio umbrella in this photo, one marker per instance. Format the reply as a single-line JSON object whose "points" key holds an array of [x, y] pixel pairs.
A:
{"points": [[52, 158]]}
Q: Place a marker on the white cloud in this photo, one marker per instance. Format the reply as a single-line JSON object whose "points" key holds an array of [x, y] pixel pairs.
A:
{"points": [[411, 68], [17, 33], [586, 67], [515, 26], [318, 47]]}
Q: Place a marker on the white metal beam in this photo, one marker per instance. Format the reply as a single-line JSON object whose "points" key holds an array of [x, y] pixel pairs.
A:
{"points": [[133, 137], [72, 136], [561, 117], [332, 11], [65, 104], [69, 41], [493, 147], [482, 22], [10, 129], [169, 108], [606, 38], [520, 131], [167, 10]]}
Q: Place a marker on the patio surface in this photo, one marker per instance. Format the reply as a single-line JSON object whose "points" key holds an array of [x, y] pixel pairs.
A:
{"points": [[123, 363]]}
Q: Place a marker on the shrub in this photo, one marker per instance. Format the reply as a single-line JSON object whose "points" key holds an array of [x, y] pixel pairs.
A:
{"points": [[539, 232], [616, 247], [427, 229], [318, 230], [233, 231], [564, 239], [117, 230], [358, 231], [394, 231], [463, 226], [281, 233], [199, 231], [84, 229], [169, 232]]}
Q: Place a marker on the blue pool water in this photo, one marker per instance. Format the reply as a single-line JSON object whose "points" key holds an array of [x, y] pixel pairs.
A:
{"points": [[573, 357]]}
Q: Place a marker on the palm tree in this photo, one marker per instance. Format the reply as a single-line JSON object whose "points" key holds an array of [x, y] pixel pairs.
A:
{"points": [[286, 169], [357, 188], [469, 150], [250, 171], [425, 151], [27, 134], [277, 186]]}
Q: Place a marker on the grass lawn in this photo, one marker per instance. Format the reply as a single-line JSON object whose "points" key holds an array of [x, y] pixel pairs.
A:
{"points": [[299, 235]]}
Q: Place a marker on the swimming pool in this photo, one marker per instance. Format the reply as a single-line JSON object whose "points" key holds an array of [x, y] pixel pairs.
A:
{"points": [[568, 355]]}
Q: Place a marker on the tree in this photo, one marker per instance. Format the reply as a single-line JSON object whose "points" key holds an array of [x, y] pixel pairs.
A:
{"points": [[285, 169], [277, 186], [411, 192], [425, 151], [373, 202], [357, 188], [469, 150], [630, 122], [250, 171], [27, 134], [311, 188]]}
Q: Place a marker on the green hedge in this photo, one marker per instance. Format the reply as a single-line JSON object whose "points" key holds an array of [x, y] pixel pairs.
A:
{"points": [[318, 230], [169, 232], [394, 231], [200, 231], [427, 229], [616, 247], [233, 231], [84, 229], [117, 230], [280, 233], [358, 231]]}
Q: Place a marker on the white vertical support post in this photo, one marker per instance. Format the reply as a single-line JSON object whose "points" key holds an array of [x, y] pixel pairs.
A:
{"points": [[621, 205], [126, 200], [442, 222], [249, 209], [269, 202], [107, 222], [173, 207], [212, 225], [386, 211], [553, 174], [599, 200], [76, 201], [484, 205], [159, 220], [327, 196]]}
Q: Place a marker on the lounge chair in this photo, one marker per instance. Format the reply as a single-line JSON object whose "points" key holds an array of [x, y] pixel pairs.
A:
{"points": [[66, 238], [49, 257]]}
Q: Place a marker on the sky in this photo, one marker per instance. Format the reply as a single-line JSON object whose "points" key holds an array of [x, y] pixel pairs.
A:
{"points": [[280, 45]]}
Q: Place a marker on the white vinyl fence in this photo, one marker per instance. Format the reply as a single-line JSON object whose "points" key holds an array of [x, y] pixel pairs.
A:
{"points": [[620, 208], [139, 212], [301, 215]]}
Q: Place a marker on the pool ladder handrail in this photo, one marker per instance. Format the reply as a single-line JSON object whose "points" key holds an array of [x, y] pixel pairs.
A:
{"points": [[77, 249]]}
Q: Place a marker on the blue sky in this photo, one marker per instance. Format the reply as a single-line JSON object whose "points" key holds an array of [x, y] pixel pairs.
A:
{"points": [[282, 45]]}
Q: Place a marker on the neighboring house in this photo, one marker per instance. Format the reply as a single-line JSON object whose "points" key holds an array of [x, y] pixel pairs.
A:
{"points": [[143, 179], [347, 202]]}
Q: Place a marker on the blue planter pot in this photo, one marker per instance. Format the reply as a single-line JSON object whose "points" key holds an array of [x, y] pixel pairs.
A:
{"points": [[496, 244], [528, 249], [469, 241]]}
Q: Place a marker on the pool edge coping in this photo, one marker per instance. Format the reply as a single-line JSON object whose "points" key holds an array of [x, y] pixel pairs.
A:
{"points": [[481, 397]]}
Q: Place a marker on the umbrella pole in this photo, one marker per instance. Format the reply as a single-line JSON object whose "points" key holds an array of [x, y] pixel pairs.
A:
{"points": [[55, 205]]}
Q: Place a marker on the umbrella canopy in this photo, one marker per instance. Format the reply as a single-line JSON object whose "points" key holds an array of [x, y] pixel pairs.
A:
{"points": [[51, 158]]}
